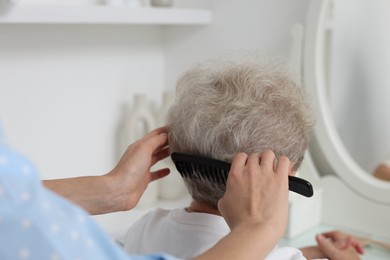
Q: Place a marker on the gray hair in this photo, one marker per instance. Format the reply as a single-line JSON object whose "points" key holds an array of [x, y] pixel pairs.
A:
{"points": [[230, 105]]}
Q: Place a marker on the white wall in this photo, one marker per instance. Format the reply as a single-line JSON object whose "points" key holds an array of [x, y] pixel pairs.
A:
{"points": [[62, 87], [247, 24]]}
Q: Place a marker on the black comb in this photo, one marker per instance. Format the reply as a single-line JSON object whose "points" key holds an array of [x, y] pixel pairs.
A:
{"points": [[217, 171]]}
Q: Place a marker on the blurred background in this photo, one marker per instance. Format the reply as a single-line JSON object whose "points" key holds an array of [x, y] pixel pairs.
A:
{"points": [[69, 67]]}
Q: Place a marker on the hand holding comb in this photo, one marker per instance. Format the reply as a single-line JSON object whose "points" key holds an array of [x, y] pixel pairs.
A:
{"points": [[217, 171]]}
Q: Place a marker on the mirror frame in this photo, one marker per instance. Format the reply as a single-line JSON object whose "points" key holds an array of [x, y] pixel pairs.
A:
{"points": [[325, 132]]}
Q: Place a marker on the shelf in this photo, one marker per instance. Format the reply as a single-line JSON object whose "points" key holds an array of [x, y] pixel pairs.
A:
{"points": [[71, 14]]}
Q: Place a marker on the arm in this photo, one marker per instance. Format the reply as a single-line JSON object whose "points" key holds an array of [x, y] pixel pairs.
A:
{"points": [[121, 188], [312, 252], [257, 222], [255, 207]]}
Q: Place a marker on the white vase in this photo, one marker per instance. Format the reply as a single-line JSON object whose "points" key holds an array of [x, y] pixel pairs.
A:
{"points": [[171, 186], [161, 3], [133, 3], [8, 2], [137, 121], [167, 100], [114, 3]]}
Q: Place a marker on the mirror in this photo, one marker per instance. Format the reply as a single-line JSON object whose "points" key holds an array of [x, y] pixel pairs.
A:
{"points": [[360, 81], [332, 155]]}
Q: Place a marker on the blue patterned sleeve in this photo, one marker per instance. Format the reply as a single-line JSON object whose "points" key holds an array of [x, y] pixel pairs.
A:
{"points": [[35, 223]]}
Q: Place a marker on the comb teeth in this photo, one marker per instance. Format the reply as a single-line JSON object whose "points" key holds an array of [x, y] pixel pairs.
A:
{"points": [[198, 171], [203, 168]]}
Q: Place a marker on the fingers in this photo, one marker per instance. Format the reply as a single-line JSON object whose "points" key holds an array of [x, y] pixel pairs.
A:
{"points": [[157, 131], [326, 246], [334, 234], [254, 160], [268, 159], [254, 194], [284, 166], [160, 155], [358, 247], [155, 140], [344, 243], [344, 240], [239, 161], [156, 175], [331, 251]]}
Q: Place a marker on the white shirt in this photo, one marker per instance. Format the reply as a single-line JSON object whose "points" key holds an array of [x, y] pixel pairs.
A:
{"points": [[185, 235]]}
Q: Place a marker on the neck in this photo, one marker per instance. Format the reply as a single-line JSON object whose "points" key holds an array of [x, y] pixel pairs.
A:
{"points": [[201, 207]]}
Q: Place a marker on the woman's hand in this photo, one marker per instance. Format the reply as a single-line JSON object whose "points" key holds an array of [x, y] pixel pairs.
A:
{"points": [[342, 240], [257, 191], [121, 188], [255, 206], [133, 173], [341, 244], [334, 252]]}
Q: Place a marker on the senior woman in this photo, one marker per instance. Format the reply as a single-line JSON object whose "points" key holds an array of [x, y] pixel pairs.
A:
{"points": [[36, 223], [244, 102]]}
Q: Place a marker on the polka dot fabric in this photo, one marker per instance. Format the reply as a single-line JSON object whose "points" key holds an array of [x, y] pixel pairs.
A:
{"points": [[35, 223]]}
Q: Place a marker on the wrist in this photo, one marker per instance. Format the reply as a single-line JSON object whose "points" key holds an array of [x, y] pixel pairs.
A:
{"points": [[312, 252], [274, 230], [120, 197], [260, 228], [255, 232], [96, 194]]}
